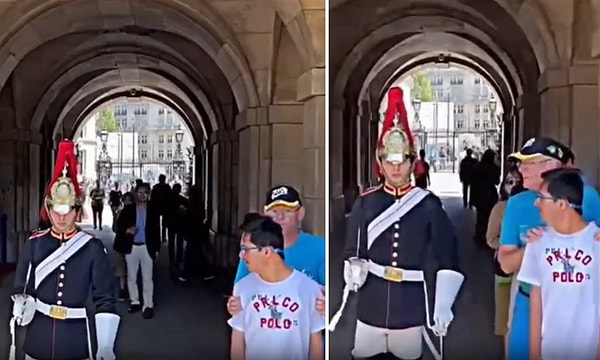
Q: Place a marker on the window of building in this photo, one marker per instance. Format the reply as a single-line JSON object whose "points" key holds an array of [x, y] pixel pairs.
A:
{"points": [[436, 81], [460, 124], [439, 94], [485, 109], [144, 139], [459, 108], [161, 111], [144, 154], [477, 109], [456, 80], [169, 139], [120, 110], [477, 81], [161, 139], [161, 154], [169, 154], [477, 124], [486, 124]]}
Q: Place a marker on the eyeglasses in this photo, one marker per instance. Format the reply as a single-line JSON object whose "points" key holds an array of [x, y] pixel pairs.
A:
{"points": [[247, 249], [550, 198]]}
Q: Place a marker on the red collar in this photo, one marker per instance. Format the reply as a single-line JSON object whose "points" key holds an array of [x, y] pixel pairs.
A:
{"points": [[64, 236], [397, 190]]}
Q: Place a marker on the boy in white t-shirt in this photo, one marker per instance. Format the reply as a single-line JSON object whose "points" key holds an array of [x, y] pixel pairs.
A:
{"points": [[562, 268], [279, 319]]}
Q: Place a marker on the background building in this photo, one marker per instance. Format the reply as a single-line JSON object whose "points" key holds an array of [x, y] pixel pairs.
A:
{"points": [[143, 144]]}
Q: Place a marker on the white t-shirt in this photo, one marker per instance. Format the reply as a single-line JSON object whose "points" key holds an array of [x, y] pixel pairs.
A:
{"points": [[566, 269], [277, 318]]}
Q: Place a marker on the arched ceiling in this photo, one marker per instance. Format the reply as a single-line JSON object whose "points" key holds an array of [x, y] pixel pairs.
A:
{"points": [[181, 49], [373, 38]]}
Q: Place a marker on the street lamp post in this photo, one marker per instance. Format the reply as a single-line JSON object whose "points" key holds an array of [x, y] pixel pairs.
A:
{"points": [[496, 122], [416, 103], [179, 161], [103, 165], [190, 169]]}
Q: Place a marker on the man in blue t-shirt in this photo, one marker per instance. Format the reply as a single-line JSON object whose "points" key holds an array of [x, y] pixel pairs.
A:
{"points": [[522, 216], [302, 251]]}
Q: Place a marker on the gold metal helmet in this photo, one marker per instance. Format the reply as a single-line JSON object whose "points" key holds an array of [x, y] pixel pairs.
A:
{"points": [[396, 143], [63, 193]]}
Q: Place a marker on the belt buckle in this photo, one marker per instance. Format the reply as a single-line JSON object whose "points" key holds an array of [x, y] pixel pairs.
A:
{"points": [[58, 312], [391, 273]]}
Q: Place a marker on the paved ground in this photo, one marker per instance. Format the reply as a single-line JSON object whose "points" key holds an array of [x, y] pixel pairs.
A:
{"points": [[190, 320], [471, 334]]}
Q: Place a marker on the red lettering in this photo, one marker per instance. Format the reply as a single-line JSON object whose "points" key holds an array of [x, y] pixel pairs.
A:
{"points": [[294, 307], [578, 255], [256, 306], [286, 302], [264, 301], [272, 323], [555, 276], [549, 260], [568, 277], [274, 303], [557, 256], [567, 256], [586, 260]]}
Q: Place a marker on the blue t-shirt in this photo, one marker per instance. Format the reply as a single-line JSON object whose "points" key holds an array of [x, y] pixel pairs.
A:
{"points": [[521, 215], [307, 255]]}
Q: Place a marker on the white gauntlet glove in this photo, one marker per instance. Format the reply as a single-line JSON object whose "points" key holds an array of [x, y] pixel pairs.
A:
{"points": [[24, 308], [355, 272]]}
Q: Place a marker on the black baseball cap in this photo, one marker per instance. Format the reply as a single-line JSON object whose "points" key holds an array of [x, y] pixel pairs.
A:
{"points": [[542, 146], [283, 195], [249, 218]]}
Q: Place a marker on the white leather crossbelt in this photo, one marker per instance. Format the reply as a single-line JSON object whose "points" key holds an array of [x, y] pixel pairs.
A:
{"points": [[395, 274], [61, 312]]}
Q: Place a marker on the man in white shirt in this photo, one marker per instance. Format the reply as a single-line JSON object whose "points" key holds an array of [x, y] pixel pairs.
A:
{"points": [[279, 319], [563, 272]]}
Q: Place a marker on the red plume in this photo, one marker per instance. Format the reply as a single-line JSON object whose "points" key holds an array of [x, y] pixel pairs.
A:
{"points": [[395, 106], [65, 157]]}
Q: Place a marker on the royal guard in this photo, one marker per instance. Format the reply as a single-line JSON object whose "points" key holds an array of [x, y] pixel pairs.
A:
{"points": [[389, 233], [56, 270]]}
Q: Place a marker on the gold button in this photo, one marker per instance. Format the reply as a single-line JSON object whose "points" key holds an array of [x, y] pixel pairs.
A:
{"points": [[59, 294], [394, 263], [395, 244], [62, 276], [59, 302], [394, 254], [62, 268], [60, 284], [396, 235], [396, 226]]}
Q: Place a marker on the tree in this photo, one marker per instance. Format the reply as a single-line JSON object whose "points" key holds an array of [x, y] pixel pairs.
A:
{"points": [[106, 121], [421, 88]]}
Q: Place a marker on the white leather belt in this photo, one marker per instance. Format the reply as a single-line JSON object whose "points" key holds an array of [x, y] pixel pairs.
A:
{"points": [[61, 312], [395, 274]]}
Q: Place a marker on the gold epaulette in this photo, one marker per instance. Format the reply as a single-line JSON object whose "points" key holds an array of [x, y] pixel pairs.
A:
{"points": [[371, 190], [38, 233]]}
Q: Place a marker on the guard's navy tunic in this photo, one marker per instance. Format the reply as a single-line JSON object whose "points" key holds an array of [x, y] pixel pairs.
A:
{"points": [[69, 285], [404, 245]]}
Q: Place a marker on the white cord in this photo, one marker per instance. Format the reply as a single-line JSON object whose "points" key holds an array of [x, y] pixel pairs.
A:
{"points": [[437, 355], [13, 349], [338, 315]]}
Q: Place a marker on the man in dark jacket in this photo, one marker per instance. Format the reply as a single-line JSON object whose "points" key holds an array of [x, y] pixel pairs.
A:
{"points": [[161, 196], [176, 221], [466, 168], [138, 238]]}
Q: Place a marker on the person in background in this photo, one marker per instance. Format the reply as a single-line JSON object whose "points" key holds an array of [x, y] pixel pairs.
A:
{"points": [[175, 220], [465, 173], [486, 176], [295, 329], [161, 197], [114, 200], [97, 196], [138, 237], [504, 292], [421, 171], [119, 258]]}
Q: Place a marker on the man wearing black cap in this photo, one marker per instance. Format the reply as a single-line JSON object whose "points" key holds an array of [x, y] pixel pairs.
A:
{"points": [[302, 251], [537, 156]]}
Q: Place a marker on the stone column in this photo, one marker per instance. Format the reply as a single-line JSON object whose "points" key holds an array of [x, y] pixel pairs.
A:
{"points": [[311, 91], [570, 113], [336, 157]]}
